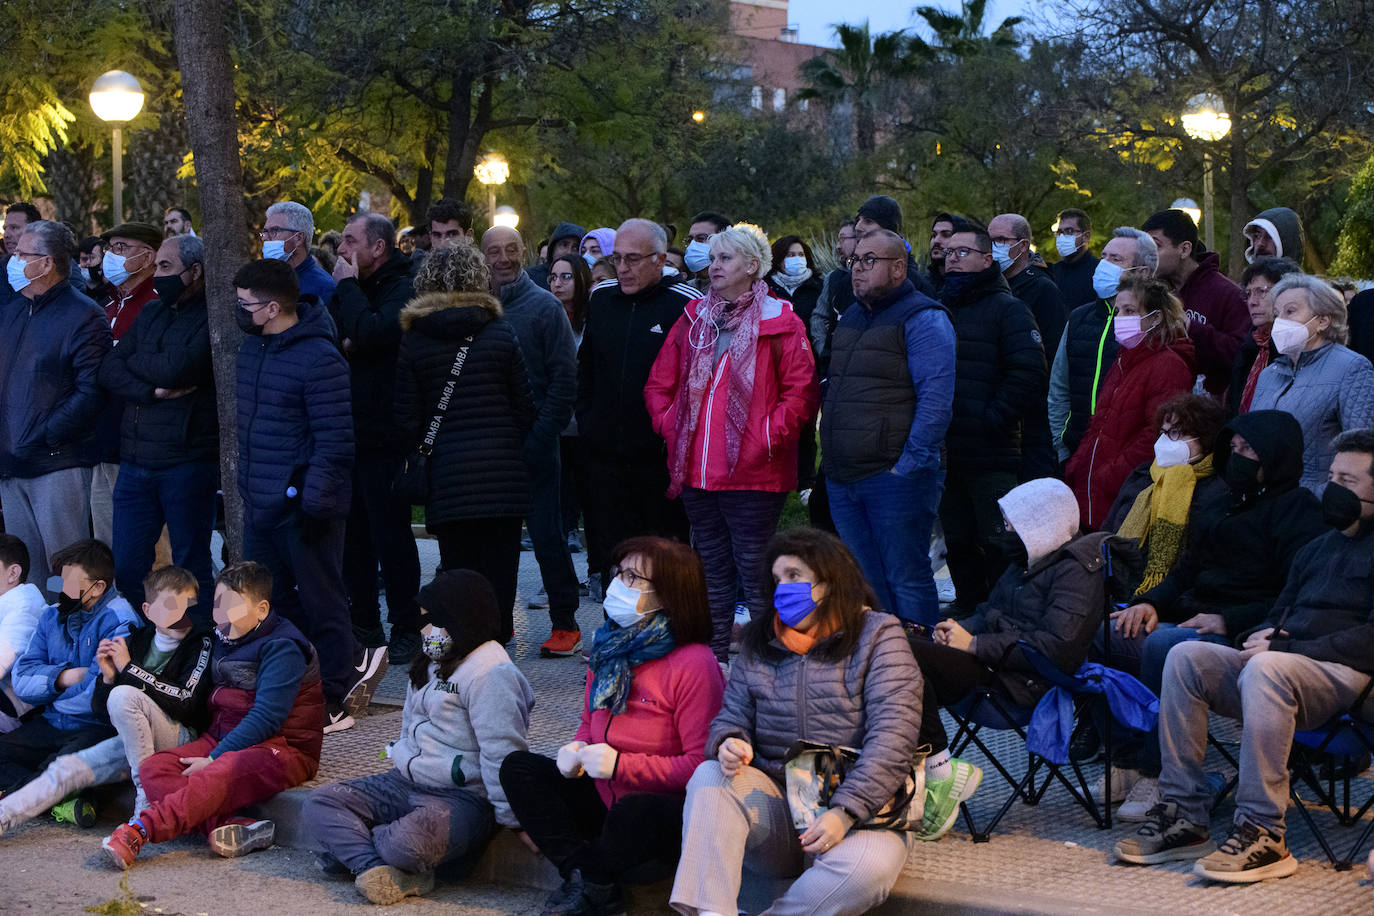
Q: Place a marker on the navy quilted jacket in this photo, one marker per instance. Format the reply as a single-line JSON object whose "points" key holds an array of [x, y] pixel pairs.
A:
{"points": [[295, 422], [870, 701]]}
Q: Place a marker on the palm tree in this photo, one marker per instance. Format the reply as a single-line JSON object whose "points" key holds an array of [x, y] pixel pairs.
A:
{"points": [[858, 72], [961, 34]]}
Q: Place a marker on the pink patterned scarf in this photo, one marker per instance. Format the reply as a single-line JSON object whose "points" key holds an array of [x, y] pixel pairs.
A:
{"points": [[698, 366]]}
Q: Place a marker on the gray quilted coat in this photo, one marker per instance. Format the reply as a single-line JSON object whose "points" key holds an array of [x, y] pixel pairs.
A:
{"points": [[870, 701]]}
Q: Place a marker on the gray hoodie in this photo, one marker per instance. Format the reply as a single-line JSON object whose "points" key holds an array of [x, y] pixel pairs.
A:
{"points": [[1285, 228], [457, 732]]}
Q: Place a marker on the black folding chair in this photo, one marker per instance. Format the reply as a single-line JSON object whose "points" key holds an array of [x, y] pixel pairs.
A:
{"points": [[1338, 744]]}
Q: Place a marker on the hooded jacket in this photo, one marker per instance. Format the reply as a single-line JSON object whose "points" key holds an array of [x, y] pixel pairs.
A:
{"points": [[168, 346], [1000, 374], [50, 395], [1329, 391], [476, 469], [57, 645], [539, 273], [1285, 228], [546, 344], [295, 425], [1085, 356], [783, 402], [1123, 431], [1074, 277], [1218, 322], [1236, 560], [366, 313], [1360, 315]]}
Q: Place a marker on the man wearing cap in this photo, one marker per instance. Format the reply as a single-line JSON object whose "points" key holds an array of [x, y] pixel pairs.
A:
{"points": [[563, 242], [50, 355], [1275, 233], [882, 212]]}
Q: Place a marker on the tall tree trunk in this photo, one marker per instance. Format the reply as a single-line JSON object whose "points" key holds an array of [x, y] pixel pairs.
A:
{"points": [[207, 82], [1238, 181]]}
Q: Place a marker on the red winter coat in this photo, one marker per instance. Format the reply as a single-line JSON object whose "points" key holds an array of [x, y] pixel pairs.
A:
{"points": [[1123, 432], [661, 735], [785, 399]]}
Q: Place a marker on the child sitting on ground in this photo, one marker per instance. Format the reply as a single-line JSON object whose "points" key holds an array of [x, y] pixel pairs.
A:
{"points": [[153, 685], [266, 708], [21, 604], [466, 709], [59, 668]]}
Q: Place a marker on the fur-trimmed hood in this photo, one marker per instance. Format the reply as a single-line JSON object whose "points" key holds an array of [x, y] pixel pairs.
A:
{"points": [[428, 304]]}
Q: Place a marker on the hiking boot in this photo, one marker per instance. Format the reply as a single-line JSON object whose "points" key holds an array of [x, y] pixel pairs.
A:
{"points": [[539, 601], [241, 836], [403, 648], [384, 885], [562, 644], [337, 719], [1122, 781], [75, 810], [1143, 796], [944, 796], [369, 668], [1165, 837], [1249, 854], [123, 845]]}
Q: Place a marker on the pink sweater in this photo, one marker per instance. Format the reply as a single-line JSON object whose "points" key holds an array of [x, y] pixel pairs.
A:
{"points": [[661, 735]]}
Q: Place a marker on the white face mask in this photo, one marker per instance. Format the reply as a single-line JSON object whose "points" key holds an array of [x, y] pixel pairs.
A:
{"points": [[1106, 278], [274, 250], [793, 265], [1172, 452], [697, 256], [1290, 337], [1065, 244], [622, 603]]}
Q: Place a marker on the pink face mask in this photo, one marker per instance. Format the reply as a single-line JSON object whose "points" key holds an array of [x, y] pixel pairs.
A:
{"points": [[1128, 331]]}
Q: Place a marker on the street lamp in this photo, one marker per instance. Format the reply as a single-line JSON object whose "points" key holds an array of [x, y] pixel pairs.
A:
{"points": [[505, 216], [492, 170], [1189, 206], [1205, 118], [116, 98]]}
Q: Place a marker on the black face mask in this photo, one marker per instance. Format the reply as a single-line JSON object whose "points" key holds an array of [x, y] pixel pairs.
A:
{"points": [[67, 605], [1242, 474], [245, 320], [169, 289], [1341, 508], [1012, 547], [958, 286]]}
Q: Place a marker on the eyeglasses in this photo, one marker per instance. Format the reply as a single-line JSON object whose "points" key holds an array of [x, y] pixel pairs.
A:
{"points": [[1007, 240], [958, 254], [629, 260], [1257, 292], [1176, 434], [632, 578], [1069, 231], [273, 233], [31, 254], [245, 304], [124, 248], [867, 261]]}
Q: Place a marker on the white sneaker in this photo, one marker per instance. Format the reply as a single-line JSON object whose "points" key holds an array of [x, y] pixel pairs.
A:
{"points": [[1143, 796], [944, 590], [1122, 780]]}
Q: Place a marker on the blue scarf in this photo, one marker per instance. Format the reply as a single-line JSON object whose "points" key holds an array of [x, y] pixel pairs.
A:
{"points": [[617, 649]]}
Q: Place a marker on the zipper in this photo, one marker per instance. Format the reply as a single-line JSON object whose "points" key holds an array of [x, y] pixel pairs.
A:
{"points": [[624, 363], [768, 434], [801, 696], [706, 436], [1092, 459], [606, 739], [248, 433]]}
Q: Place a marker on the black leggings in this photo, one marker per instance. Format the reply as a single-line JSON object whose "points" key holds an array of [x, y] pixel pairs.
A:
{"points": [[947, 676]]}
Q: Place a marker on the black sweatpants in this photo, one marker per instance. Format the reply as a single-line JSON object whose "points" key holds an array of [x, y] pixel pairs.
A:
{"points": [[490, 546], [947, 676], [625, 500]]}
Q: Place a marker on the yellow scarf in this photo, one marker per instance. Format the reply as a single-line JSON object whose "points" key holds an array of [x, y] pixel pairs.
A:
{"points": [[1159, 517]]}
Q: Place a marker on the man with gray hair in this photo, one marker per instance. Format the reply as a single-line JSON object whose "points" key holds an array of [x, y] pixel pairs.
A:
{"points": [[374, 284], [286, 236], [50, 354], [1088, 347], [169, 434], [550, 354]]}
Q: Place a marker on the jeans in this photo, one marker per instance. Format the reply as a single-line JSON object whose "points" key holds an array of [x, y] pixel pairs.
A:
{"points": [[47, 513], [378, 533], [27, 751], [308, 590], [886, 521], [549, 539], [1272, 694], [730, 530], [104, 480], [972, 520], [183, 498], [490, 546]]}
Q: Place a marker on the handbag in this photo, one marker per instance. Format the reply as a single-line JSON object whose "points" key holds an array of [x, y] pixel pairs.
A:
{"points": [[814, 771], [412, 481]]}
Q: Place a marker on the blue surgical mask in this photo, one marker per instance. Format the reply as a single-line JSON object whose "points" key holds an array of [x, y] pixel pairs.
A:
{"points": [[697, 256], [1002, 255], [274, 250], [112, 265], [85, 275], [1106, 278], [622, 603], [1065, 244], [590, 258], [794, 265], [14, 273], [793, 601]]}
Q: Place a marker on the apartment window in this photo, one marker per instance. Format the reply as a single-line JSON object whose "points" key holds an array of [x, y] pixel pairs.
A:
{"points": [[779, 99], [756, 98]]}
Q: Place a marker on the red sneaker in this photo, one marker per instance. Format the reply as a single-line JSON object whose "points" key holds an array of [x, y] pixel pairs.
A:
{"points": [[561, 644], [123, 845]]}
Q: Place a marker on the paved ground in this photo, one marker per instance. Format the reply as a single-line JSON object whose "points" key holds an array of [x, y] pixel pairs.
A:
{"points": [[1045, 859]]}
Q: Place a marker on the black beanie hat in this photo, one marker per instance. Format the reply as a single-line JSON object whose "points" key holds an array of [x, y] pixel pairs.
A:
{"points": [[884, 211], [463, 602]]}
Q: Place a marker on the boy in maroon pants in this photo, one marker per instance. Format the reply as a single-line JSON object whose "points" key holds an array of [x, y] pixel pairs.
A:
{"points": [[267, 707]]}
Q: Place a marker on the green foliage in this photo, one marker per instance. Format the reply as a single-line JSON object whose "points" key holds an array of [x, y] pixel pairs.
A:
{"points": [[1355, 246]]}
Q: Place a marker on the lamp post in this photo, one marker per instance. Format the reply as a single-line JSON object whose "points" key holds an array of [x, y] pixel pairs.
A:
{"points": [[505, 216], [117, 98], [1189, 206], [492, 170], [1205, 118]]}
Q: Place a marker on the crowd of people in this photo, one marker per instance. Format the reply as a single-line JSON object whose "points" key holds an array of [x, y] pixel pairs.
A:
{"points": [[655, 406]]}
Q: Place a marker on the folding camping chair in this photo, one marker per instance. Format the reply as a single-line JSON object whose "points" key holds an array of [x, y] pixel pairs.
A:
{"points": [[1338, 743]]}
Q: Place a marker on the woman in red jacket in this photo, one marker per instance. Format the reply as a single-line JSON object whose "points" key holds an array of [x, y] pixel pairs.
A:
{"points": [[653, 688], [730, 393], [1154, 363]]}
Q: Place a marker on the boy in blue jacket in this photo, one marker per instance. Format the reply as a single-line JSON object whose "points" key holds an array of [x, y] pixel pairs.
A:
{"points": [[59, 669]]}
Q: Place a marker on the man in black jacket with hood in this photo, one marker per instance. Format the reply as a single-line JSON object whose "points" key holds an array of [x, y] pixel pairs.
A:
{"points": [[1000, 375], [374, 284]]}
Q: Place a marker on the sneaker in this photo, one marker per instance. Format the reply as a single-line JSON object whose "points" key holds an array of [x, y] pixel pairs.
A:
{"points": [[1122, 781], [1086, 746], [569, 890], [562, 644], [593, 587], [76, 810], [1143, 796], [370, 668], [384, 885], [587, 899], [123, 845], [526, 545], [944, 796], [403, 649], [372, 636], [539, 601], [331, 867], [337, 719], [574, 542], [1165, 837], [1249, 854], [241, 836], [944, 590]]}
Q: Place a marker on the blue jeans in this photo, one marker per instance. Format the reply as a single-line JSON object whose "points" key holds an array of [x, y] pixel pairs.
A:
{"points": [[886, 521], [181, 497]]}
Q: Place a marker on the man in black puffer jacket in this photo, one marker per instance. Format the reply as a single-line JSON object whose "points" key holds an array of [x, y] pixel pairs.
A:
{"points": [[373, 286], [169, 432], [999, 376]]}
